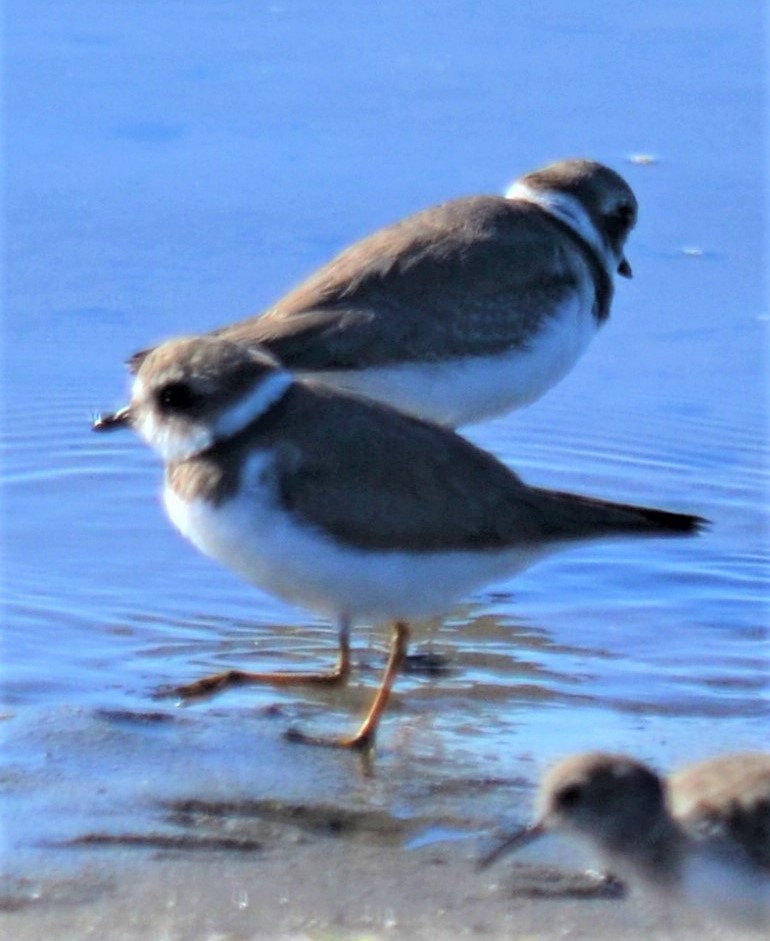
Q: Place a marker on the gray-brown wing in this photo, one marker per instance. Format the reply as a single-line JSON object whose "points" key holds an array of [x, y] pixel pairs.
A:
{"points": [[730, 797], [372, 477], [480, 273]]}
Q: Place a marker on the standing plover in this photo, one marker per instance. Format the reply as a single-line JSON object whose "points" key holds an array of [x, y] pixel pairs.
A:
{"points": [[342, 504], [467, 309], [703, 835]]}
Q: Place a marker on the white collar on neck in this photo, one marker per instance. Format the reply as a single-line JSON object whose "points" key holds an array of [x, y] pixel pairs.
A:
{"points": [[255, 403], [568, 210]]}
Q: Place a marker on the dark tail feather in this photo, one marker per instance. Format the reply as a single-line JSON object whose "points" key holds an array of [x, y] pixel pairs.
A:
{"points": [[664, 521], [584, 516]]}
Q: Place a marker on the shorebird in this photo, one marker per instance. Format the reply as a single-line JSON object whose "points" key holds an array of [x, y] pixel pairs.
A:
{"points": [[702, 836], [341, 504], [467, 309]]}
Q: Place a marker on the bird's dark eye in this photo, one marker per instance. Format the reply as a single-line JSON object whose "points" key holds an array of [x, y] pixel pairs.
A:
{"points": [[619, 220], [625, 212], [622, 214], [177, 397], [570, 796]]}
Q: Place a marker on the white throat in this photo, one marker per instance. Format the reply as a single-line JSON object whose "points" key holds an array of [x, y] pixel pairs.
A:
{"points": [[569, 211]]}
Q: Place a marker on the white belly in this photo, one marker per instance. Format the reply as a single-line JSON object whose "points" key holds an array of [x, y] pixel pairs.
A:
{"points": [[250, 535], [735, 893], [462, 391]]}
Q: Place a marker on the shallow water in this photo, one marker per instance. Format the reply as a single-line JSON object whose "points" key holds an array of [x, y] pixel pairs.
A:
{"points": [[175, 166]]}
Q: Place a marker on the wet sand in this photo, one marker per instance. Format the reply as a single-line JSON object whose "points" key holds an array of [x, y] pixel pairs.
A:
{"points": [[161, 825], [304, 884]]}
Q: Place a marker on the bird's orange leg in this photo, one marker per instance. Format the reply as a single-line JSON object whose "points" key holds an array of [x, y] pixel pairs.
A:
{"points": [[210, 685], [363, 739]]}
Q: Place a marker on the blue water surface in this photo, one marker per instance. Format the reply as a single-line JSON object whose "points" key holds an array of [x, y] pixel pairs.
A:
{"points": [[176, 165]]}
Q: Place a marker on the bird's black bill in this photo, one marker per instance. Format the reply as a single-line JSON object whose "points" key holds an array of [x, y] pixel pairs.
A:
{"points": [[624, 269], [119, 419], [511, 843]]}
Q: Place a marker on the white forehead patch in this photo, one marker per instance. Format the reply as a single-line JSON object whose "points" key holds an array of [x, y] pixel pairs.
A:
{"points": [[172, 438]]}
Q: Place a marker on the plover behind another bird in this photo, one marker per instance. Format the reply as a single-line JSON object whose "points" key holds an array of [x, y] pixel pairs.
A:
{"points": [[702, 835], [345, 506], [467, 309]]}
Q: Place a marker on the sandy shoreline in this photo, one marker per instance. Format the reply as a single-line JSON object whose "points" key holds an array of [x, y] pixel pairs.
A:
{"points": [[183, 826], [295, 882]]}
